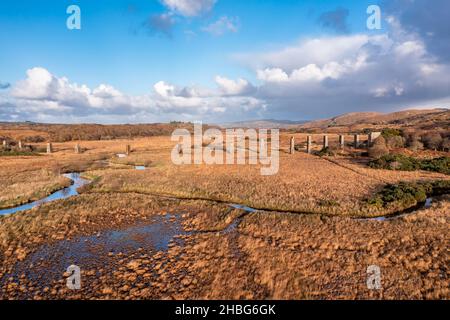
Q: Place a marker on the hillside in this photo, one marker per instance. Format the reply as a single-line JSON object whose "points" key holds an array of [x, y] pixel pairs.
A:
{"points": [[417, 119]]}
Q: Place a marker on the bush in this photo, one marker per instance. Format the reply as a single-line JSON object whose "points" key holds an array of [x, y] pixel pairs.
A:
{"points": [[432, 140], [408, 194], [441, 165], [395, 142], [405, 163], [328, 151], [34, 139], [379, 148], [445, 145], [389, 133]]}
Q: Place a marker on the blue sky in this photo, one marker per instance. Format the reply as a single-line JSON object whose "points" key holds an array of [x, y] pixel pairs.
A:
{"points": [[128, 47]]}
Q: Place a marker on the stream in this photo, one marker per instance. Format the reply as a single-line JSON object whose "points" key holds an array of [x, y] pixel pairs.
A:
{"points": [[78, 182], [91, 252], [70, 191]]}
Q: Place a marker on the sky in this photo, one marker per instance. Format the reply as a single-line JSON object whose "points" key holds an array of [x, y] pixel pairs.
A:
{"points": [[137, 61]]}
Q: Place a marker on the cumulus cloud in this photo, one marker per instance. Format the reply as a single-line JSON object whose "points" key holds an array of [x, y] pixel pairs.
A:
{"points": [[330, 75], [430, 20], [189, 8], [223, 25], [310, 51], [44, 96], [237, 87], [335, 20]]}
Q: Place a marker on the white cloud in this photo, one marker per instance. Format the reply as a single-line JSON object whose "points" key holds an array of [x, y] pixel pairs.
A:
{"points": [[234, 87], [164, 89], [42, 96], [310, 51], [272, 75], [189, 8], [222, 25], [331, 75]]}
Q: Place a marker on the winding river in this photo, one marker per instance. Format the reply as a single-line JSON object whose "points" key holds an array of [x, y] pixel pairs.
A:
{"points": [[78, 182], [70, 191]]}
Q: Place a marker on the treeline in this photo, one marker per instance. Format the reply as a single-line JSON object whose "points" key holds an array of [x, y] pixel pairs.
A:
{"points": [[69, 132]]}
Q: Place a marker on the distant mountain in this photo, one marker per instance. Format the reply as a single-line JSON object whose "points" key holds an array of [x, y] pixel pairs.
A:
{"points": [[262, 124]]}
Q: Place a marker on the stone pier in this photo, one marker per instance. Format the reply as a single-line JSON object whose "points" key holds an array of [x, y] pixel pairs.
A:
{"points": [[4, 144], [373, 136], [77, 148], [128, 150], [49, 148], [341, 141], [308, 144], [325, 141], [356, 141], [20, 144], [292, 146]]}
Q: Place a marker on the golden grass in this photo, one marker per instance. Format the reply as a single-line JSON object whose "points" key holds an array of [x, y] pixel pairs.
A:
{"points": [[275, 255]]}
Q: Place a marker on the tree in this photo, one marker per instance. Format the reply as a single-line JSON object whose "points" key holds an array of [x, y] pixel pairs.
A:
{"points": [[445, 145], [413, 140], [432, 140]]}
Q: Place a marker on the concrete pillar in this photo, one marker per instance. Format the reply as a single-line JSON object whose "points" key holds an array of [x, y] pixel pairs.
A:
{"points": [[342, 141], [356, 141], [292, 146], [308, 144], [20, 144], [128, 150], [77, 148], [4, 144], [373, 136], [325, 141], [49, 148]]}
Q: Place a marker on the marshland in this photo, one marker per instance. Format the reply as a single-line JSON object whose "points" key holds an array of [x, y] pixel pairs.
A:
{"points": [[202, 231]]}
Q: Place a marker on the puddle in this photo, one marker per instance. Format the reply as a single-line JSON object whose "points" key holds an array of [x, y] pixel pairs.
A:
{"points": [[61, 194], [245, 208], [139, 168], [92, 252]]}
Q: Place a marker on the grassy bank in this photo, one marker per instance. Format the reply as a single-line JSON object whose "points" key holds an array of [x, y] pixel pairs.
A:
{"points": [[405, 195]]}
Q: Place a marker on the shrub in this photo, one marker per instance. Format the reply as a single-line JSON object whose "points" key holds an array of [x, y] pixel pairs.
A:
{"points": [[389, 133], [432, 140], [445, 145], [395, 142], [408, 194], [441, 165], [395, 162], [327, 151], [405, 163], [379, 148], [34, 139]]}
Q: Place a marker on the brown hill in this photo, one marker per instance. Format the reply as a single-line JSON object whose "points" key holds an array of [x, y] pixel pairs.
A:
{"points": [[418, 119]]}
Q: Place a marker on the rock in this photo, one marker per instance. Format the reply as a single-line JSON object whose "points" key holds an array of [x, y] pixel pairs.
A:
{"points": [[133, 265], [107, 290]]}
